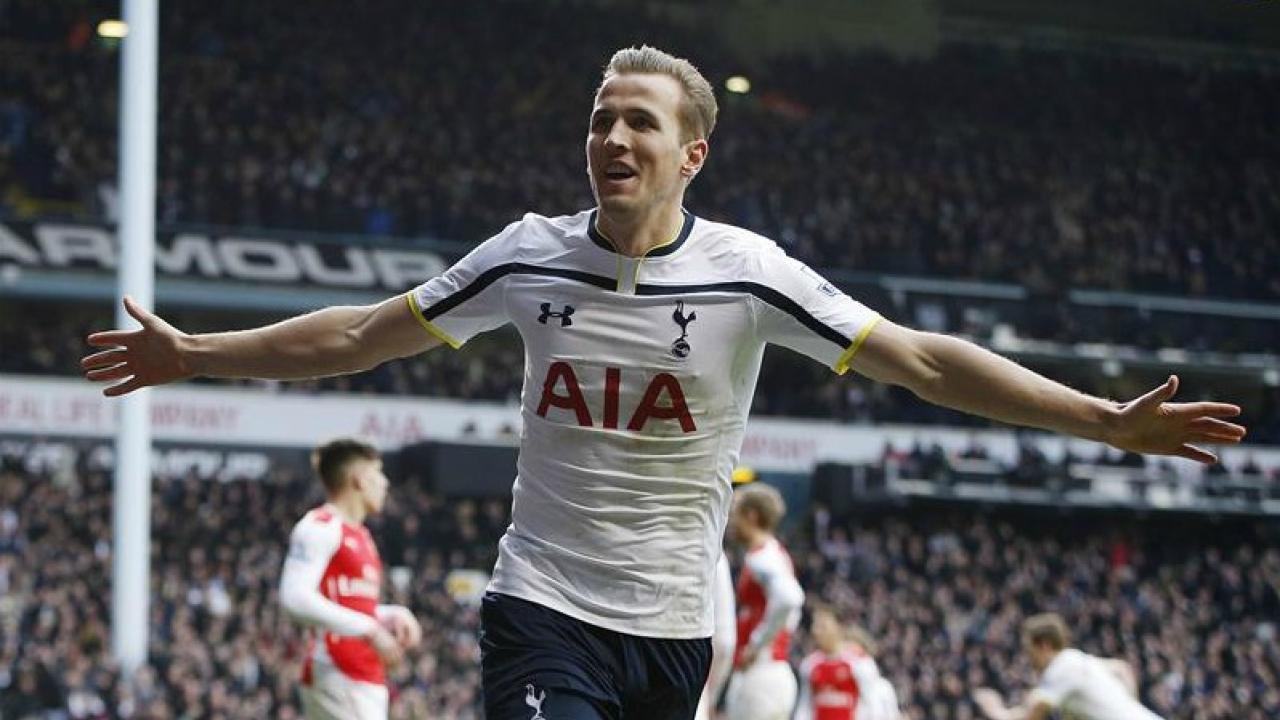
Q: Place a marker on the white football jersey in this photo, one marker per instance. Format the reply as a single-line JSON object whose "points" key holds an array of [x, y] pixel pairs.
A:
{"points": [[638, 377], [1081, 686]]}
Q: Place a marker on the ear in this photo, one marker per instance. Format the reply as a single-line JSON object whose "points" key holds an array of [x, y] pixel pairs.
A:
{"points": [[695, 154]]}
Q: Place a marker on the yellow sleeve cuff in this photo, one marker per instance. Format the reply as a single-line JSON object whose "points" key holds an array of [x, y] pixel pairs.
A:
{"points": [[428, 325], [842, 365]]}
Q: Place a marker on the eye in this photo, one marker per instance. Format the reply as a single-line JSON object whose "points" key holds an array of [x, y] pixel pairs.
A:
{"points": [[601, 123], [641, 122]]}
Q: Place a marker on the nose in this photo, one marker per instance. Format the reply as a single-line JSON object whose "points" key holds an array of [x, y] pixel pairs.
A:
{"points": [[618, 136]]}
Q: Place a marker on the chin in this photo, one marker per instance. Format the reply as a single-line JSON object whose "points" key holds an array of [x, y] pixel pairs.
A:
{"points": [[616, 203]]}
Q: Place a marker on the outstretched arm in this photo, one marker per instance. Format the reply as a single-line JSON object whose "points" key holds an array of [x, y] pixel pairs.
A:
{"points": [[333, 341], [960, 375], [992, 705], [1123, 672]]}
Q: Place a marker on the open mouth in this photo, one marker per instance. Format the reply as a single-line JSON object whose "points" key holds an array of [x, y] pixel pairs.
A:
{"points": [[618, 171]]}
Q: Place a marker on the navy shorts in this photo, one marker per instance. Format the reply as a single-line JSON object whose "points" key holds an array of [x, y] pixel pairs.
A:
{"points": [[538, 664]]}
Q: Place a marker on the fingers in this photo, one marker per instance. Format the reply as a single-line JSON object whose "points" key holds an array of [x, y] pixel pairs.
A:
{"points": [[1214, 438], [1160, 394], [136, 311], [124, 388], [110, 372], [110, 338], [1191, 452], [1206, 409], [114, 356], [392, 656], [1213, 426]]}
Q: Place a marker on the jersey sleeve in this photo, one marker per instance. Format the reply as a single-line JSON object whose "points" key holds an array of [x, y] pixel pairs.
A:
{"points": [[886, 700], [311, 547], [1055, 685], [725, 636], [804, 312], [865, 672], [468, 298], [804, 703]]}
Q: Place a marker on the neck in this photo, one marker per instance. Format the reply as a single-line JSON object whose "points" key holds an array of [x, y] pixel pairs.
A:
{"points": [[757, 539], [1049, 659], [350, 507], [830, 648], [634, 235]]}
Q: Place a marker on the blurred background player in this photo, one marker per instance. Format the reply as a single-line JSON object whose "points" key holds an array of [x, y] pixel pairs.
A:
{"points": [[769, 598], [840, 679], [332, 580], [1072, 683], [724, 639]]}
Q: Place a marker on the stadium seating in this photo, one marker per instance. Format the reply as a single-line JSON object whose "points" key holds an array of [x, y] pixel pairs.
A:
{"points": [[1190, 602]]}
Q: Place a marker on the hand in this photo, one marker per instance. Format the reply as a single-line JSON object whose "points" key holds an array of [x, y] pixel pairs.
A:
{"points": [[748, 657], [141, 358], [402, 624], [1152, 425], [989, 702], [387, 647]]}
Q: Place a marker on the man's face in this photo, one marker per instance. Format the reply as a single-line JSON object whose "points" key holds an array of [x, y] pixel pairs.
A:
{"points": [[825, 629], [635, 156], [1039, 653], [372, 484]]}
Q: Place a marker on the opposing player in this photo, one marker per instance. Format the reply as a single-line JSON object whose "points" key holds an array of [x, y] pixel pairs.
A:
{"points": [[644, 327], [1072, 682], [840, 680], [332, 580], [724, 640], [769, 599]]}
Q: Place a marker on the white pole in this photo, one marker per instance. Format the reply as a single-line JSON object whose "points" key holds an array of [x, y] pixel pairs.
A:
{"points": [[132, 506]]}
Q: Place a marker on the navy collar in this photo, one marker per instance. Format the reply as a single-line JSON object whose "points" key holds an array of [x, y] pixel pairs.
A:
{"points": [[599, 239]]}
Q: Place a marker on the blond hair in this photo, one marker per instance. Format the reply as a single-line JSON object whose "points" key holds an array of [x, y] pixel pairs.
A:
{"points": [[859, 635], [697, 110], [765, 500], [1047, 628]]}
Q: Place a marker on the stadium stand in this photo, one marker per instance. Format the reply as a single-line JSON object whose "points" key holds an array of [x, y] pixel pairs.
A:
{"points": [[1106, 182], [1190, 601], [220, 646]]}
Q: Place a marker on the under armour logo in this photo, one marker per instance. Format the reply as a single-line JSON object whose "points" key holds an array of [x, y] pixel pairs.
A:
{"points": [[565, 315], [680, 348], [535, 701]]}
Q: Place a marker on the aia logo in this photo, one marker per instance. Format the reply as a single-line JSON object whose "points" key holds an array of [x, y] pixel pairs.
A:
{"points": [[565, 316], [663, 399], [680, 348]]}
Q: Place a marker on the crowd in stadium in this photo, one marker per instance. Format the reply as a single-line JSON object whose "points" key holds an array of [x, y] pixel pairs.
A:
{"points": [[1191, 607], [960, 165], [1194, 611], [220, 645]]}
